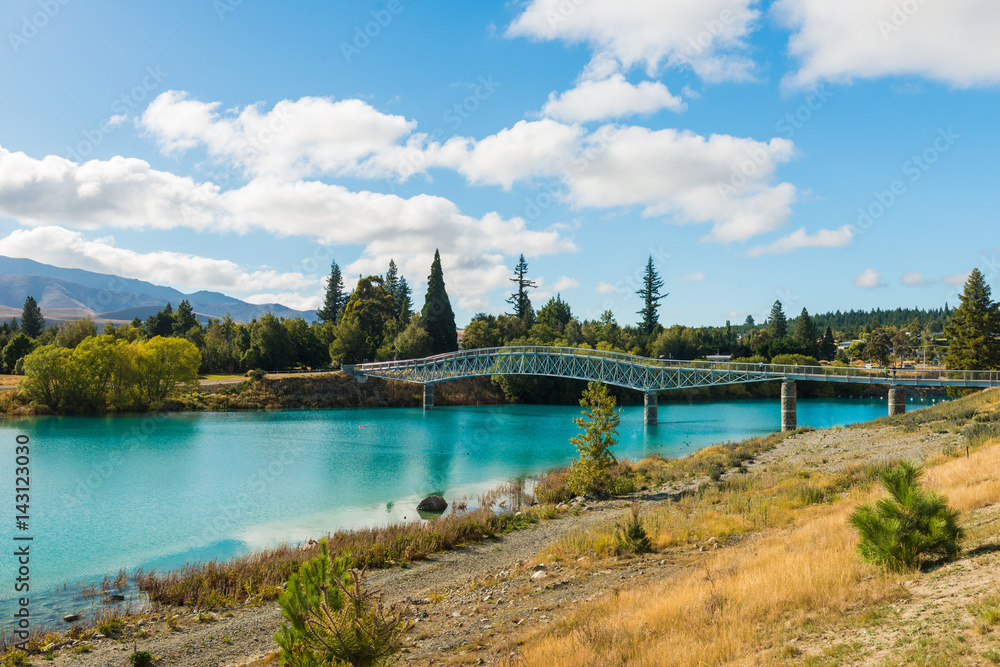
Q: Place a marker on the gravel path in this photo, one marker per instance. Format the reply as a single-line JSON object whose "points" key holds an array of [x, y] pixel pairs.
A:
{"points": [[468, 605]]}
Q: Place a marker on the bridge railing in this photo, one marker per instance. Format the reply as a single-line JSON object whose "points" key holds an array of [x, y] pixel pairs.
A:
{"points": [[758, 370]]}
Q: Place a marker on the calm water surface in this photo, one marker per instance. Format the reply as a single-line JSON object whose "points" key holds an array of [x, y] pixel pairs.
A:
{"points": [[159, 491]]}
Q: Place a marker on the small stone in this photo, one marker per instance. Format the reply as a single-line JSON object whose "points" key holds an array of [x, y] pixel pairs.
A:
{"points": [[540, 567], [539, 575], [99, 636], [71, 618], [456, 614]]}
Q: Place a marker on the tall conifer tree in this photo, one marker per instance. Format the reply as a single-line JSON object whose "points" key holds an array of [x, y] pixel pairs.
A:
{"points": [[437, 316], [651, 297], [333, 304], [519, 299], [973, 329], [32, 322], [777, 321]]}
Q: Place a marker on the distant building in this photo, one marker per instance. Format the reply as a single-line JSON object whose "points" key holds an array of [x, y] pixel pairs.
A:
{"points": [[719, 357]]}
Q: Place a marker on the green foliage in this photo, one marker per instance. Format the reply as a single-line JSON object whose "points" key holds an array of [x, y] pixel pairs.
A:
{"points": [[414, 342], [32, 322], [828, 349], [777, 321], [806, 334], [372, 309], [437, 316], [878, 347], [111, 626], [334, 299], [519, 299], [795, 360], [555, 314], [651, 297], [898, 531], [592, 472], [74, 332], [973, 329], [102, 373], [140, 659], [631, 536], [330, 618], [19, 347]]}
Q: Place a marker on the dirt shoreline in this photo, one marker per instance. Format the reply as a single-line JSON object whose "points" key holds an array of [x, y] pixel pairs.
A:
{"points": [[471, 605]]}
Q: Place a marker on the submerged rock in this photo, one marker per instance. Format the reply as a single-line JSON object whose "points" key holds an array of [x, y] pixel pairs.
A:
{"points": [[435, 504], [71, 618]]}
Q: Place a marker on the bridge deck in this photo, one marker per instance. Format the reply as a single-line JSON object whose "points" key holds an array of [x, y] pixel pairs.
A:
{"points": [[644, 374]]}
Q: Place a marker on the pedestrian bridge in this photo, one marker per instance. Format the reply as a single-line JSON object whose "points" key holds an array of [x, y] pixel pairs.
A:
{"points": [[654, 375]]}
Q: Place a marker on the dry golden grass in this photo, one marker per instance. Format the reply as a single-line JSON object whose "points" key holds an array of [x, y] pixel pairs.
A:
{"points": [[969, 483], [748, 600]]}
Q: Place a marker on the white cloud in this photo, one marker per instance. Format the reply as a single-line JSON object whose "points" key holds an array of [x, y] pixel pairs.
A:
{"points": [[67, 248], [823, 238], [606, 288], [529, 148], [722, 180], [120, 192], [913, 279], [129, 194], [296, 138], [869, 279], [565, 282], [692, 277], [708, 35], [954, 42], [956, 279], [613, 97]]}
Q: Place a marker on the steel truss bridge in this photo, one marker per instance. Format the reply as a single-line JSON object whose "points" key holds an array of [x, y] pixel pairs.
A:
{"points": [[649, 375], [653, 375]]}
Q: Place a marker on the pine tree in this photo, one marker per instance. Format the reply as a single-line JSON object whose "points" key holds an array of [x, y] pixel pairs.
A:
{"points": [[651, 297], [748, 323], [973, 329], [829, 348], [185, 319], [777, 321], [519, 299], [335, 300], [403, 292], [437, 316], [806, 333], [32, 322]]}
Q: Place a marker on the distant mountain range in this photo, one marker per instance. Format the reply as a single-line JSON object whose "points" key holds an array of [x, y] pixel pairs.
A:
{"points": [[69, 294]]}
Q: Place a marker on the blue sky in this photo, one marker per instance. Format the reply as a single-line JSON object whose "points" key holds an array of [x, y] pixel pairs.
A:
{"points": [[831, 155]]}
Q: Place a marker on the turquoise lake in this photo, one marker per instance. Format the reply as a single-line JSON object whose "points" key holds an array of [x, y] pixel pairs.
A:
{"points": [[161, 490]]}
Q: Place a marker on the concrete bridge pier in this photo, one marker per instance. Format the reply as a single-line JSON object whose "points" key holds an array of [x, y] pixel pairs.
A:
{"points": [[788, 419], [897, 401], [428, 396], [649, 404]]}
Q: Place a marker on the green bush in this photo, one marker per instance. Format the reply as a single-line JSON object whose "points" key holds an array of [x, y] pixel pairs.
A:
{"points": [[140, 659], [631, 536], [897, 532], [331, 619], [111, 627]]}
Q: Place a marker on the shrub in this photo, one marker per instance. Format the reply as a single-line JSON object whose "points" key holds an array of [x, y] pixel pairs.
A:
{"points": [[898, 531], [631, 537], [332, 619], [552, 488], [140, 659], [111, 627]]}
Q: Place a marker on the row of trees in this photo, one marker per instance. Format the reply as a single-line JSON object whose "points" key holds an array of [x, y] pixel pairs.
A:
{"points": [[104, 373]]}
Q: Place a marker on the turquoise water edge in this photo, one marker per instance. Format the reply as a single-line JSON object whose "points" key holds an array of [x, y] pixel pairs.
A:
{"points": [[159, 491]]}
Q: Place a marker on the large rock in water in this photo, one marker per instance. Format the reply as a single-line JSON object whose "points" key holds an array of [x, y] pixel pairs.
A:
{"points": [[432, 504]]}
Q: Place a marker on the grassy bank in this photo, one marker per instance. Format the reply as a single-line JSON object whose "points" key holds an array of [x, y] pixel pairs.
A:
{"points": [[789, 566]]}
